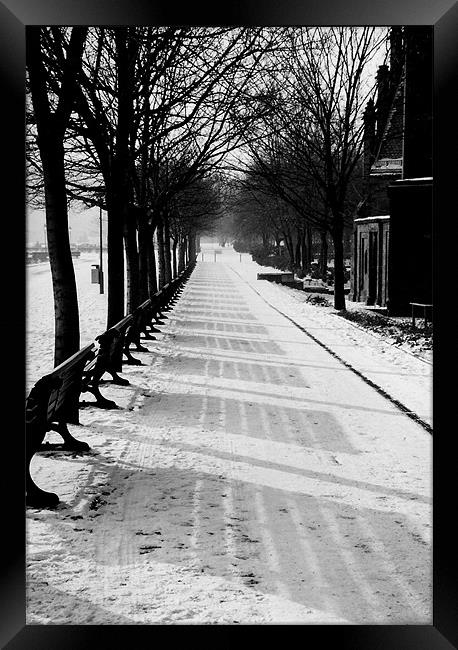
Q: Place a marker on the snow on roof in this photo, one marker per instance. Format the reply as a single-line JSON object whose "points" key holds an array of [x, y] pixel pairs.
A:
{"points": [[385, 217], [423, 178]]}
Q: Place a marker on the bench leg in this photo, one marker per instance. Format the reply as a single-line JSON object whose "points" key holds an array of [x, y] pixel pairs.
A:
{"points": [[119, 381], [35, 496], [38, 498], [131, 361], [136, 341], [102, 402], [70, 443], [147, 335], [91, 385], [141, 348], [147, 328]]}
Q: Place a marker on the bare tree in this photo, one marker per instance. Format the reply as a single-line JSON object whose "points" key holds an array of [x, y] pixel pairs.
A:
{"points": [[152, 108], [309, 139], [53, 57], [193, 138], [177, 93]]}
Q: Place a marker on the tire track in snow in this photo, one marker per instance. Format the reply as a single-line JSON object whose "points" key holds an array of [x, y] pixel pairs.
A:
{"points": [[410, 594], [271, 555]]}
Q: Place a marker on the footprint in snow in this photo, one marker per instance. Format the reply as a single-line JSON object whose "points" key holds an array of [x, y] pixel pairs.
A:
{"points": [[147, 549]]}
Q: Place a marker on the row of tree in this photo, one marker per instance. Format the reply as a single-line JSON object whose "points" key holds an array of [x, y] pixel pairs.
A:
{"points": [[136, 120], [301, 176], [166, 128]]}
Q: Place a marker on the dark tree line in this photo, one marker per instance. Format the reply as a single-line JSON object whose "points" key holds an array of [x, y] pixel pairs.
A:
{"points": [[134, 120], [143, 122], [304, 150]]}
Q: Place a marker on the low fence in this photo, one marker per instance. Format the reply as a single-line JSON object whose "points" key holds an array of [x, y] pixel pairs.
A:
{"points": [[54, 400]]}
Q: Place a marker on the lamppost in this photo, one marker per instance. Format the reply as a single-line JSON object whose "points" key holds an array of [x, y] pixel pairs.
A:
{"points": [[101, 253]]}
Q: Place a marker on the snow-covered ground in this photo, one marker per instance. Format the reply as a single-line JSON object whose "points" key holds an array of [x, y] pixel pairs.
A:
{"points": [[403, 375], [248, 475], [40, 312]]}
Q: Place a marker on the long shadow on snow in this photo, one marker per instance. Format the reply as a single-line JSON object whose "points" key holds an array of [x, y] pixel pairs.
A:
{"points": [[353, 562]]}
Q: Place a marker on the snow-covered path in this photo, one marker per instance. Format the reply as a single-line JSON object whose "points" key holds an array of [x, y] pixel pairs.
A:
{"points": [[250, 477]]}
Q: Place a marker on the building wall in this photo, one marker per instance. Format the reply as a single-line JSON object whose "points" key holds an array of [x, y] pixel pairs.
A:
{"points": [[397, 146], [379, 193], [370, 269], [410, 261]]}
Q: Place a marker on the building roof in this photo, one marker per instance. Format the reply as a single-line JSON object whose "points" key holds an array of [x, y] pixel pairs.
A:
{"points": [[384, 166]]}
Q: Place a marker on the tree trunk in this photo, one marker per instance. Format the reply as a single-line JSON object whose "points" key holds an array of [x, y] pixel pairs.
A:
{"points": [[174, 258], [152, 273], [309, 238], [66, 313], [181, 254], [143, 245], [323, 265], [160, 252], [167, 252], [132, 263], [305, 253], [339, 275], [120, 183], [297, 253], [192, 248], [115, 219], [290, 249], [51, 128]]}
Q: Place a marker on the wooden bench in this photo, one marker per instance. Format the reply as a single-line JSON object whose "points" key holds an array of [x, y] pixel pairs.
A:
{"points": [[141, 324], [278, 277], [108, 359], [52, 403], [54, 400], [116, 342], [425, 307], [145, 320]]}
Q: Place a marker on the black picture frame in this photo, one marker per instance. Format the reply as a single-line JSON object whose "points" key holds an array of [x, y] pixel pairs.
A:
{"points": [[15, 15]]}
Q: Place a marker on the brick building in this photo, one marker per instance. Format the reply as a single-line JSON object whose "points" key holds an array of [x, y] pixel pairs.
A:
{"points": [[391, 263]]}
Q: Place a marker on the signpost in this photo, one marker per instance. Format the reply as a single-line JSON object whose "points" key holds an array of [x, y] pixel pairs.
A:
{"points": [[97, 269], [101, 252]]}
